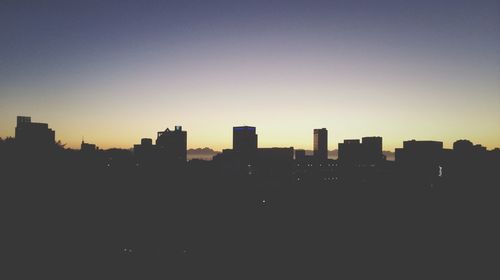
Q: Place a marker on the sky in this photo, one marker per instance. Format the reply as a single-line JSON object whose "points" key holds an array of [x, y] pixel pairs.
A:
{"points": [[114, 71]]}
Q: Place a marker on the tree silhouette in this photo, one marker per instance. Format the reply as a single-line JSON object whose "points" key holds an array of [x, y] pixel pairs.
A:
{"points": [[60, 145]]}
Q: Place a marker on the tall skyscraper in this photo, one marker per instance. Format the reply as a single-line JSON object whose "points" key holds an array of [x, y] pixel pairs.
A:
{"points": [[173, 143], [244, 139], [321, 144]]}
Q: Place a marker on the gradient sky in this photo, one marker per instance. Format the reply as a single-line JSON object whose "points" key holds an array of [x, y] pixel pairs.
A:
{"points": [[117, 71]]}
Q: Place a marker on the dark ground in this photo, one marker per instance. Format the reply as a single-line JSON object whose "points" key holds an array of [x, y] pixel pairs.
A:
{"points": [[68, 222]]}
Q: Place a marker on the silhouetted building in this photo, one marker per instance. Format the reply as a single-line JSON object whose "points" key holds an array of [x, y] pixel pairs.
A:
{"points": [[147, 142], [146, 154], [350, 151], [34, 135], [367, 152], [242, 158], [227, 155], [321, 144], [415, 150], [300, 154], [118, 159], [275, 154], [244, 139], [173, 144], [275, 162], [88, 148], [421, 157], [372, 150], [465, 153]]}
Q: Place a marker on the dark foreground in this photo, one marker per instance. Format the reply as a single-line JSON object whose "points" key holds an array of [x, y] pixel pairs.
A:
{"points": [[61, 222]]}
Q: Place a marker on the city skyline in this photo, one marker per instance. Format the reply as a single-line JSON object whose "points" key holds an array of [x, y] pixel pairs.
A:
{"points": [[244, 138], [259, 139], [115, 72]]}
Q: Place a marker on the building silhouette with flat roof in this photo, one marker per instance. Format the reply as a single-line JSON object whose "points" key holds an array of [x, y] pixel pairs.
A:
{"points": [[146, 154], [422, 158], [244, 139], [360, 160], [350, 151], [321, 144], [300, 154], [372, 149], [88, 148], [33, 135], [368, 151], [414, 152]]}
